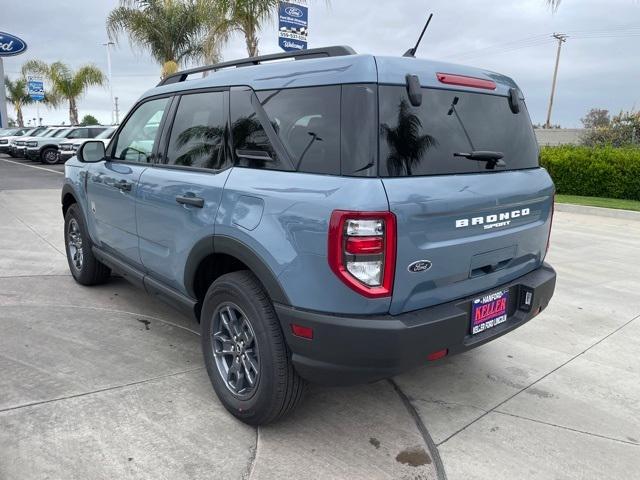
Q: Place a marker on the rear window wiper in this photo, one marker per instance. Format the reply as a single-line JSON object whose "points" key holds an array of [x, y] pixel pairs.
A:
{"points": [[493, 159]]}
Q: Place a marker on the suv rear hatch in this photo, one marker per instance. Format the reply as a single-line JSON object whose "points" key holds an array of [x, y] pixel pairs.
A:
{"points": [[462, 228]]}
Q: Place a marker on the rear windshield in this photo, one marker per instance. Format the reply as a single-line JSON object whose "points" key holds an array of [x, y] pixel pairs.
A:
{"points": [[423, 140]]}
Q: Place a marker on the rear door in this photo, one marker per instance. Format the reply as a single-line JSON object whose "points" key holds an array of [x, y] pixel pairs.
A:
{"points": [[112, 183], [178, 198], [462, 228]]}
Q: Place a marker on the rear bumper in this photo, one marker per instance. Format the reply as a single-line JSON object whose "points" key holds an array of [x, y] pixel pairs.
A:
{"points": [[348, 350]]}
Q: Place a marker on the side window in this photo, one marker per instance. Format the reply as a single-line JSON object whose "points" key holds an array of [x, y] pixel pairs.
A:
{"points": [[307, 121], [248, 135], [94, 132], [197, 134], [135, 141], [79, 133]]}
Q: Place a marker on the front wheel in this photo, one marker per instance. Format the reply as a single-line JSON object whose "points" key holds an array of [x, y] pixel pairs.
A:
{"points": [[85, 267], [245, 352], [49, 156]]}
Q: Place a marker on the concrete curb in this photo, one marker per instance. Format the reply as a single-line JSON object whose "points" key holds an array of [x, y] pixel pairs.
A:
{"points": [[598, 211]]}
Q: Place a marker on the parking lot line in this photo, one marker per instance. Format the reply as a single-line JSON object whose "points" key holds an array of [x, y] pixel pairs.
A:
{"points": [[32, 166]]}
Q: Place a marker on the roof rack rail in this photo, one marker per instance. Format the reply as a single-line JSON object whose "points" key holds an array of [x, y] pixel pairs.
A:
{"points": [[335, 51]]}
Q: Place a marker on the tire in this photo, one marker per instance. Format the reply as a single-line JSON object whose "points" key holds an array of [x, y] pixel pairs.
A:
{"points": [[49, 156], [277, 387], [84, 266]]}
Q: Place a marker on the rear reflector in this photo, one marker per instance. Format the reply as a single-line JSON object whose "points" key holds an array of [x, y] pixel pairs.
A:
{"points": [[364, 245], [300, 331], [465, 81], [437, 355]]}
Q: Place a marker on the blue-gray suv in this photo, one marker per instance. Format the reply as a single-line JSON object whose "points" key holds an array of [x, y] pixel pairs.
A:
{"points": [[337, 218]]}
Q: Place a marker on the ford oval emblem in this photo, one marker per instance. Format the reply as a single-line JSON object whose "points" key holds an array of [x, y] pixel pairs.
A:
{"points": [[293, 12], [419, 266], [11, 45]]}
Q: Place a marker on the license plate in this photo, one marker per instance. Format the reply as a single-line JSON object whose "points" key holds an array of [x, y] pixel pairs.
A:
{"points": [[489, 311]]}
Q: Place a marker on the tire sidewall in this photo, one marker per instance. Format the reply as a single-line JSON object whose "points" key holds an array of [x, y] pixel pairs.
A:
{"points": [[75, 213], [226, 290], [43, 156]]}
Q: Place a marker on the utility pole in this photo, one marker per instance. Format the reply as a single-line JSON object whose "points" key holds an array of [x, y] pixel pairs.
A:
{"points": [[117, 112], [561, 39], [108, 45]]}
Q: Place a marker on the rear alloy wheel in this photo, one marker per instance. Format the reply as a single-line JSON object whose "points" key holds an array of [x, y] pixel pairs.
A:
{"points": [[235, 350], [49, 156], [245, 352]]}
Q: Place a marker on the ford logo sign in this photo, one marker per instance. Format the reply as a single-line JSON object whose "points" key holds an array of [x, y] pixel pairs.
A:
{"points": [[293, 12], [11, 45], [419, 266]]}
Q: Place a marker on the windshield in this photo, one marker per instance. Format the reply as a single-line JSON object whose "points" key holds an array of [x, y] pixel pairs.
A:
{"points": [[6, 132], [48, 132], [424, 140], [108, 133], [61, 133]]}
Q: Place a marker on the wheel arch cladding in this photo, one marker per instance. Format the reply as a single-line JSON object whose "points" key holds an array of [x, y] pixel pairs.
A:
{"points": [[214, 256]]}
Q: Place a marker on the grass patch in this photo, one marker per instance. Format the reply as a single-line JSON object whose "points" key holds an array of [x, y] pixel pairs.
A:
{"points": [[600, 202]]}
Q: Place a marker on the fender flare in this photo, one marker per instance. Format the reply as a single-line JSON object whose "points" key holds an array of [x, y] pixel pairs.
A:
{"points": [[234, 248]]}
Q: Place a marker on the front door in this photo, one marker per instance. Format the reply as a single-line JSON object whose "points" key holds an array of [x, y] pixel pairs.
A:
{"points": [[112, 183], [178, 199]]}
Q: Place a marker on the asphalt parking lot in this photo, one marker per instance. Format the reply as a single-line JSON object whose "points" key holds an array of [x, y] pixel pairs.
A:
{"points": [[106, 382]]}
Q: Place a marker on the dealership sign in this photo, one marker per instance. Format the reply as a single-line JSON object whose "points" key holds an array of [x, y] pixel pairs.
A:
{"points": [[35, 88], [293, 23], [11, 45]]}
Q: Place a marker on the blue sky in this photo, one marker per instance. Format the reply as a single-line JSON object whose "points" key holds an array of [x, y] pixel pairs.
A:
{"points": [[599, 66]]}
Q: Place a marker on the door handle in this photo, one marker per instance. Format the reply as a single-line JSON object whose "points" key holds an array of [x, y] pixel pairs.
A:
{"points": [[190, 200], [123, 185]]}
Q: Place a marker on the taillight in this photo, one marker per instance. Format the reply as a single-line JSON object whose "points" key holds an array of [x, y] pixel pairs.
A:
{"points": [[553, 209], [362, 250]]}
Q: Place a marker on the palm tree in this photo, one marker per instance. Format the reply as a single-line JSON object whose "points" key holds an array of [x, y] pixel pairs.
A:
{"points": [[65, 83], [553, 4], [246, 17], [406, 145], [173, 31], [18, 97]]}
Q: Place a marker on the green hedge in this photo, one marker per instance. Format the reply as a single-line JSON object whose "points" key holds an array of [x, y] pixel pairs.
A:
{"points": [[594, 171]]}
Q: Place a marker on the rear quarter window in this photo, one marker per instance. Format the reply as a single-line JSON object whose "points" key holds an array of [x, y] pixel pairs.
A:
{"points": [[422, 140]]}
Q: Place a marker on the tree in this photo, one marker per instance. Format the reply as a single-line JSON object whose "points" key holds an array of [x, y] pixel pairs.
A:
{"points": [[553, 4], [65, 83], [18, 97], [89, 120], [173, 31], [406, 145], [596, 117], [246, 17], [623, 130]]}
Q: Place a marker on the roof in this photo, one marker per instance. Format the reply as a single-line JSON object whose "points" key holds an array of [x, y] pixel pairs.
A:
{"points": [[343, 69]]}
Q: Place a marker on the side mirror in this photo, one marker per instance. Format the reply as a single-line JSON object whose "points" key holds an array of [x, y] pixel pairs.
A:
{"points": [[91, 151]]}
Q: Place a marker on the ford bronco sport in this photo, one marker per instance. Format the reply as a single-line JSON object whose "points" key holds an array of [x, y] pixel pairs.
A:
{"points": [[336, 219]]}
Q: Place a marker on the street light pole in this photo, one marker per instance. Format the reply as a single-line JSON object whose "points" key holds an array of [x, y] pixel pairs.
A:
{"points": [[561, 39], [108, 45]]}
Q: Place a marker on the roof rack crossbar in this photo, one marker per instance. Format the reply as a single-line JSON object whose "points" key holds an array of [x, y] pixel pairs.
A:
{"points": [[335, 51]]}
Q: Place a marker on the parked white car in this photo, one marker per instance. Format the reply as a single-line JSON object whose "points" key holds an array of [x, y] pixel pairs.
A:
{"points": [[68, 149], [45, 149]]}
